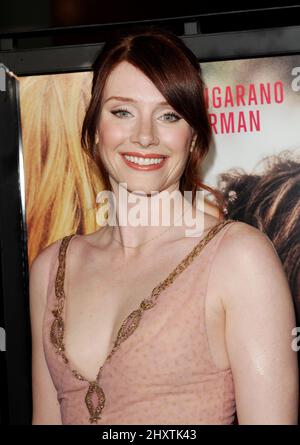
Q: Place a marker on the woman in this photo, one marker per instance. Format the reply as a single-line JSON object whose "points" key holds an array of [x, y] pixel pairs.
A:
{"points": [[182, 326]]}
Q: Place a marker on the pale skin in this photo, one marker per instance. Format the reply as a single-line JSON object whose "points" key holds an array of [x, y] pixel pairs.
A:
{"points": [[249, 312]]}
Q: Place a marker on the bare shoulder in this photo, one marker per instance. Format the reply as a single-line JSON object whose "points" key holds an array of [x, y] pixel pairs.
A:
{"points": [[248, 265], [44, 257], [40, 270], [46, 409], [249, 280], [245, 242]]}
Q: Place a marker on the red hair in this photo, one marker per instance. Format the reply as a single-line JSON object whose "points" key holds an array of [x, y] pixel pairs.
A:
{"points": [[175, 71]]}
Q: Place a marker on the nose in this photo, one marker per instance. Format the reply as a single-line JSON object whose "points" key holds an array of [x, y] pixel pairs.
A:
{"points": [[144, 133]]}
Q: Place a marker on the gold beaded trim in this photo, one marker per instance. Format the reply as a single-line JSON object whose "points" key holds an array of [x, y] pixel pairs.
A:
{"points": [[128, 326]]}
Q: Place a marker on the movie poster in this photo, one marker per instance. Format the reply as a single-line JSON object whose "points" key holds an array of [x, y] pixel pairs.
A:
{"points": [[254, 111]]}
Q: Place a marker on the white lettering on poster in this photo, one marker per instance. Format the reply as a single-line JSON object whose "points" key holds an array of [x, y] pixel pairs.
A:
{"points": [[296, 80]]}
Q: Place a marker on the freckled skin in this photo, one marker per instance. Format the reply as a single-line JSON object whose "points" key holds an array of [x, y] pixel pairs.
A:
{"points": [[142, 128]]}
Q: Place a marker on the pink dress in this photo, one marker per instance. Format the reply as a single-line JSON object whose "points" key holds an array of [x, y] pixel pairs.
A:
{"points": [[160, 370]]}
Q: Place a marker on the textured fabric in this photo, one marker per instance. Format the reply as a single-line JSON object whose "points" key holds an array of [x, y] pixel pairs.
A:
{"points": [[163, 373]]}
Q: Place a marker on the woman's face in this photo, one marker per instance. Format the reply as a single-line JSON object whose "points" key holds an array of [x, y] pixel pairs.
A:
{"points": [[138, 126]]}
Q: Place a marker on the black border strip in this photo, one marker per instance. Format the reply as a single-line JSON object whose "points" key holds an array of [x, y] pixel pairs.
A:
{"points": [[207, 48]]}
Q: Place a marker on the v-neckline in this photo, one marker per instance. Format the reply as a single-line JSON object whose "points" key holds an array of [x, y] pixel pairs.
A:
{"points": [[134, 317]]}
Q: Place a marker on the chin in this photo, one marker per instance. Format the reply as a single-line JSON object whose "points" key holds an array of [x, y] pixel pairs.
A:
{"points": [[140, 189]]}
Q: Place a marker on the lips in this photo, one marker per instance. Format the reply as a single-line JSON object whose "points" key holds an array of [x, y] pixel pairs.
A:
{"points": [[148, 167], [142, 155]]}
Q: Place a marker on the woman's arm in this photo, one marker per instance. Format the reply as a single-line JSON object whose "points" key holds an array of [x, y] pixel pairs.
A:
{"points": [[259, 322], [46, 409]]}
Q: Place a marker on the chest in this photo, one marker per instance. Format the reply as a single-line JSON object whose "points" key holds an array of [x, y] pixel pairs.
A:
{"points": [[102, 291]]}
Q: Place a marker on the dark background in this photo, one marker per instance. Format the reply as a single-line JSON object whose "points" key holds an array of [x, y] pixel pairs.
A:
{"points": [[36, 14], [37, 17]]}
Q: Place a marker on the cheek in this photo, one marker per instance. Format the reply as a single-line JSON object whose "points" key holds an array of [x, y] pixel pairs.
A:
{"points": [[110, 135], [177, 141]]}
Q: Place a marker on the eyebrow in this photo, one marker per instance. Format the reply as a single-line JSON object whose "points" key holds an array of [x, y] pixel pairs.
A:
{"points": [[130, 99]]}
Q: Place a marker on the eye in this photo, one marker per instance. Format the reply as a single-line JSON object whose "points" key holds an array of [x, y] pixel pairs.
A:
{"points": [[123, 110], [172, 115], [120, 110]]}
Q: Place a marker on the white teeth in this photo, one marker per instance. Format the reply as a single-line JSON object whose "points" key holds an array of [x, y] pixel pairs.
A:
{"points": [[143, 161]]}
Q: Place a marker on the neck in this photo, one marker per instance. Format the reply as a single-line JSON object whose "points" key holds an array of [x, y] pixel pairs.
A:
{"points": [[137, 218]]}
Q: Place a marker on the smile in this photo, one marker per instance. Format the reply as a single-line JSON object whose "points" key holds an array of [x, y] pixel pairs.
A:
{"points": [[144, 163]]}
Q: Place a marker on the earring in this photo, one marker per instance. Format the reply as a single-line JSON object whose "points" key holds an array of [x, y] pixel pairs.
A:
{"points": [[192, 146], [232, 195]]}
